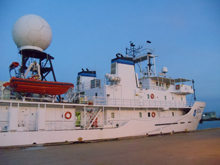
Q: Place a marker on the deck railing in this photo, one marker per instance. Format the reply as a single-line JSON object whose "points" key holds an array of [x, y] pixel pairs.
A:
{"points": [[95, 100]]}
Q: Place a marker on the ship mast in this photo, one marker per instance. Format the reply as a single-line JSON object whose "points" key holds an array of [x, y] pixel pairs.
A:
{"points": [[139, 56], [150, 70]]}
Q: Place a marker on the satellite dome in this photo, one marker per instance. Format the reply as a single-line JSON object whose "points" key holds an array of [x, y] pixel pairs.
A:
{"points": [[32, 32], [164, 70]]}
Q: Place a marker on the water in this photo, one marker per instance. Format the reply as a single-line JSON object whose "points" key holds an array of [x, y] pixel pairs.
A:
{"points": [[209, 124]]}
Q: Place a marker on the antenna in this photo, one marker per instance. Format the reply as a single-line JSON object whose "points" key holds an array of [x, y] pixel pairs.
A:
{"points": [[133, 51], [150, 64], [194, 90], [139, 56], [148, 42]]}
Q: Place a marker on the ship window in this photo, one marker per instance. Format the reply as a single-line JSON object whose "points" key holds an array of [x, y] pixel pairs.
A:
{"points": [[78, 80], [148, 96], [140, 114], [96, 94], [148, 114], [165, 97], [95, 83], [112, 115], [172, 113], [113, 68], [172, 98], [156, 83], [181, 98], [160, 84]]}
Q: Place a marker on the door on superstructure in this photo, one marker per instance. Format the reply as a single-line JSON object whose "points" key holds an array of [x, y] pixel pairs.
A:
{"points": [[32, 126], [77, 119], [27, 119], [23, 118]]}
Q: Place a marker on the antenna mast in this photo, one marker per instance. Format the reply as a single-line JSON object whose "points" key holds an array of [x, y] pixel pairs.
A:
{"points": [[150, 71], [138, 58], [133, 51]]}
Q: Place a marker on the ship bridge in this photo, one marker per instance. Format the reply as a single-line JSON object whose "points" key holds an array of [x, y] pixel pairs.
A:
{"points": [[177, 86]]}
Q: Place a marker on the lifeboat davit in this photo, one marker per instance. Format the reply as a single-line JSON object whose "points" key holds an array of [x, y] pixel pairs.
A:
{"points": [[32, 85]]}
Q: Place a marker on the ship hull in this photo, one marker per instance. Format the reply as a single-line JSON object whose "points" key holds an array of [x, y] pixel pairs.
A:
{"points": [[133, 127]]}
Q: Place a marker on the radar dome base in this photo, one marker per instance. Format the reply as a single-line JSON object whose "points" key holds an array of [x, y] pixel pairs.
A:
{"points": [[31, 47]]}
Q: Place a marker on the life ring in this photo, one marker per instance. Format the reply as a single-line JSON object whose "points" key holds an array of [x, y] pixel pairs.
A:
{"points": [[177, 87], [152, 96], [68, 115], [153, 114]]}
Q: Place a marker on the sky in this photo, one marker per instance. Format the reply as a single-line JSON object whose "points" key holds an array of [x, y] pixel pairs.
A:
{"points": [[185, 34]]}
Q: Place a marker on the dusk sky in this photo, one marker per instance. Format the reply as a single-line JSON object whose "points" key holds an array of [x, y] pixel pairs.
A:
{"points": [[185, 35]]}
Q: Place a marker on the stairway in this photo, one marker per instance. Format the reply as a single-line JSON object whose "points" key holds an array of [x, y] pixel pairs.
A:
{"points": [[93, 117]]}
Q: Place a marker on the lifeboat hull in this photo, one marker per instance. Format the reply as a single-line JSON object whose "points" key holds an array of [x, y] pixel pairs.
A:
{"points": [[38, 86]]}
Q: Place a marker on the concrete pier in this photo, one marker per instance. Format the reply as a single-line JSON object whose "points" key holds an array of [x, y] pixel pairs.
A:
{"points": [[200, 147]]}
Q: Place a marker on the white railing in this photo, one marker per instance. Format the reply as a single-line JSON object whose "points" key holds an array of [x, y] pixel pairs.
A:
{"points": [[95, 100], [181, 88], [56, 125], [53, 125], [154, 87], [141, 103]]}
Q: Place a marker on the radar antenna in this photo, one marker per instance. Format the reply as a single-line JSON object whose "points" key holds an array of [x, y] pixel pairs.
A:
{"points": [[139, 56], [132, 51]]}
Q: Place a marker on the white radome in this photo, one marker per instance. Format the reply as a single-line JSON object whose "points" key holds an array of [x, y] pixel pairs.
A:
{"points": [[164, 70], [32, 32]]}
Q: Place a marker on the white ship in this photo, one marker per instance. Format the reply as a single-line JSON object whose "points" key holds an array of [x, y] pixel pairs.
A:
{"points": [[122, 104]]}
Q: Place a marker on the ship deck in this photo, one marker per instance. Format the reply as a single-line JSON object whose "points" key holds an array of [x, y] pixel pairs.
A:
{"points": [[199, 147], [102, 102]]}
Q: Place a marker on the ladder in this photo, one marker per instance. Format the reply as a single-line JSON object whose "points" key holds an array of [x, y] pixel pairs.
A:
{"points": [[93, 118]]}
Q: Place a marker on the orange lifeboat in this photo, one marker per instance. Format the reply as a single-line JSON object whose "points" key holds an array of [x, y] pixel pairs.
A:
{"points": [[32, 85]]}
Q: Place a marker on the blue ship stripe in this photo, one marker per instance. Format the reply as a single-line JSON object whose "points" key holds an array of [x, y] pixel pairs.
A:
{"points": [[87, 74], [123, 61]]}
